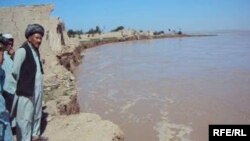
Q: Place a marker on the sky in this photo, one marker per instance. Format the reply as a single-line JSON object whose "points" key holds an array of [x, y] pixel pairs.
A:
{"points": [[187, 15]]}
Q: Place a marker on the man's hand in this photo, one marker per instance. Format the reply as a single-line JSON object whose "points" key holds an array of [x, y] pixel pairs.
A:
{"points": [[11, 51]]}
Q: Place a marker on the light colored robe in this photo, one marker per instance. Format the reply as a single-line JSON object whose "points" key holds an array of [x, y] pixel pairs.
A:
{"points": [[9, 83], [29, 109]]}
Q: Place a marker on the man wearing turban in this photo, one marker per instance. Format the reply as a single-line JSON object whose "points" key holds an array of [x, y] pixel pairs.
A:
{"points": [[28, 71]]}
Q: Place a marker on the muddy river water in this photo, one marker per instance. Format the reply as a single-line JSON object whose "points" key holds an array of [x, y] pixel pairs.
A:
{"points": [[168, 89]]}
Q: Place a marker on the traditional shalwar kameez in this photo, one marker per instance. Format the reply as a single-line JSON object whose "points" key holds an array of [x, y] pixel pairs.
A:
{"points": [[9, 86], [29, 108]]}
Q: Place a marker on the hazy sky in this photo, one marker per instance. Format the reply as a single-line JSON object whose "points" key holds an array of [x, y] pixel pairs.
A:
{"points": [[189, 15]]}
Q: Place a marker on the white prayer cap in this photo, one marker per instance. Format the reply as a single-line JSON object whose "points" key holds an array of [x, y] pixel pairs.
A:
{"points": [[7, 36]]}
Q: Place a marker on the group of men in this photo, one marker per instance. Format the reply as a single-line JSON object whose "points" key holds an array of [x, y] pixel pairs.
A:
{"points": [[21, 87]]}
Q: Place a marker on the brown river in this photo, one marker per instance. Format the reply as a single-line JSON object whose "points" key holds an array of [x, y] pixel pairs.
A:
{"points": [[168, 89]]}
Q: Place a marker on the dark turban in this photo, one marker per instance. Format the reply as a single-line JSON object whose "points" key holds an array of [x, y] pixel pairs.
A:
{"points": [[34, 28]]}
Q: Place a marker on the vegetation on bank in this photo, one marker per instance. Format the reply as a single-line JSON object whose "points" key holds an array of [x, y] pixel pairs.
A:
{"points": [[72, 33], [118, 29], [97, 30]]}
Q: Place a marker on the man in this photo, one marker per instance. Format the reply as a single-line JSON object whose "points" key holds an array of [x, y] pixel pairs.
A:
{"points": [[5, 134], [27, 71], [9, 83], [10, 44]]}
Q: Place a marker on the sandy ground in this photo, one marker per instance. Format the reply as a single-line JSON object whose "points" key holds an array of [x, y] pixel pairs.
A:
{"points": [[82, 127]]}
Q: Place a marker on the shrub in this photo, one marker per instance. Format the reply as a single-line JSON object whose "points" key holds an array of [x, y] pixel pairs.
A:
{"points": [[117, 29]]}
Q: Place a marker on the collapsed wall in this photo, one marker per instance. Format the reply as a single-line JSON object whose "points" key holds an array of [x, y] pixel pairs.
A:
{"points": [[14, 20]]}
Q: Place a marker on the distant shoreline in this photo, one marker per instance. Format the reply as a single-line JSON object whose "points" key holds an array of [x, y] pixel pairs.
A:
{"points": [[93, 42]]}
